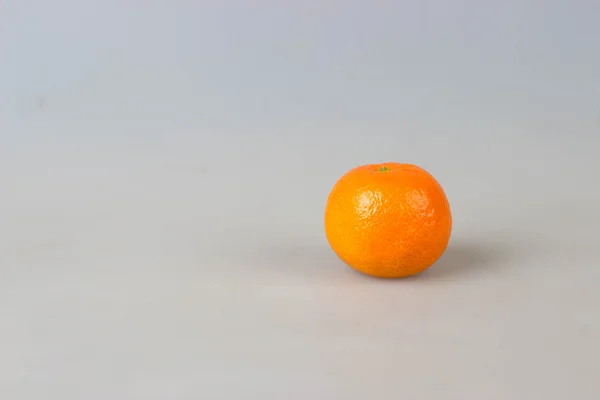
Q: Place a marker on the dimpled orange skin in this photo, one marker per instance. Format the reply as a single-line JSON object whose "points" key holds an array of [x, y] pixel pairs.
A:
{"points": [[388, 220]]}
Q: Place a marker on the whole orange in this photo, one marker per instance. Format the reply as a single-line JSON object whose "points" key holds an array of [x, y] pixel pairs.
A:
{"points": [[388, 220]]}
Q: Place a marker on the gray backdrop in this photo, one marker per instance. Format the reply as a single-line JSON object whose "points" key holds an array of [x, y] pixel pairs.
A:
{"points": [[164, 167]]}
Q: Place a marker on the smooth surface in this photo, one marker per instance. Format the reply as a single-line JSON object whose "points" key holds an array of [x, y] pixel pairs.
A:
{"points": [[164, 170]]}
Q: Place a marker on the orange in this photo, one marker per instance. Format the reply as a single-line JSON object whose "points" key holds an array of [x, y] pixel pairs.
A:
{"points": [[388, 220]]}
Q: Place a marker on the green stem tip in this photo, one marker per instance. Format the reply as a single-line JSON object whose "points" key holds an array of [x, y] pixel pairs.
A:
{"points": [[383, 169]]}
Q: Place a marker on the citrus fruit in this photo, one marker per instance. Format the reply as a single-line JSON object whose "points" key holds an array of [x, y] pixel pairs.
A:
{"points": [[388, 220]]}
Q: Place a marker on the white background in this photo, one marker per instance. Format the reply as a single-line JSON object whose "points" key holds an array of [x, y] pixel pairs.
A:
{"points": [[164, 171]]}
